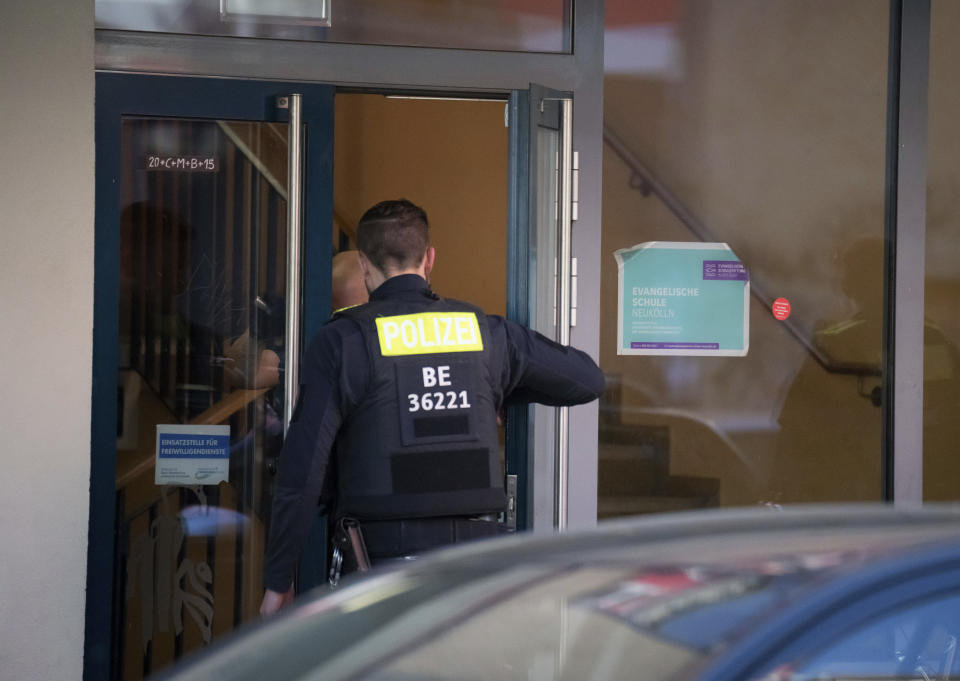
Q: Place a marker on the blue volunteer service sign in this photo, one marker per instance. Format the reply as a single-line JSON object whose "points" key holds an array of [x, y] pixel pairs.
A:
{"points": [[678, 298], [192, 454]]}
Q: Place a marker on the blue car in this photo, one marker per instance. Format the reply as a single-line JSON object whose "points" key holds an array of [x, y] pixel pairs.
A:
{"points": [[834, 593]]}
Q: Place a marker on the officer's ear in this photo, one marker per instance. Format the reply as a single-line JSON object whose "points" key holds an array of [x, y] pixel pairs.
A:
{"points": [[372, 277], [428, 258], [364, 263]]}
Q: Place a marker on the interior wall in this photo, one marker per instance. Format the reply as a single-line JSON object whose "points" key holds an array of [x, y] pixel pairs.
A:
{"points": [[448, 157], [46, 271]]}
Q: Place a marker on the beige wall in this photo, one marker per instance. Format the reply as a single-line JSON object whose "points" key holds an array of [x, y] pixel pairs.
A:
{"points": [[448, 157], [46, 268]]}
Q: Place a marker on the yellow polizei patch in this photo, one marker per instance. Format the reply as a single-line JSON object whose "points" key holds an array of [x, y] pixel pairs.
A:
{"points": [[428, 333]]}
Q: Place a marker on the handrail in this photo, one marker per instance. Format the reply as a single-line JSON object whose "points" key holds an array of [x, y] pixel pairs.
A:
{"points": [[253, 158], [295, 232], [220, 412], [339, 222], [645, 181]]}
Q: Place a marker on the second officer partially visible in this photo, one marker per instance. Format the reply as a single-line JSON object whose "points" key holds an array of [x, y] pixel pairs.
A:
{"points": [[408, 387]]}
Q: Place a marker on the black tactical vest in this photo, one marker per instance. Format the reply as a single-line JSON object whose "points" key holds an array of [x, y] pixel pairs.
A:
{"points": [[423, 441]]}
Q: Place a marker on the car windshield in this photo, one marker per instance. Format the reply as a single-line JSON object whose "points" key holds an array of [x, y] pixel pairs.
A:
{"points": [[571, 626], [603, 623], [600, 607]]}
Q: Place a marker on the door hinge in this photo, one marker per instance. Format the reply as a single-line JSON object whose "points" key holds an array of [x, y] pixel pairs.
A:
{"points": [[575, 182], [573, 291], [283, 102], [510, 517]]}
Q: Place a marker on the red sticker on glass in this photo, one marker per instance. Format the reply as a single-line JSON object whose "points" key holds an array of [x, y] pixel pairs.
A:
{"points": [[781, 308]]}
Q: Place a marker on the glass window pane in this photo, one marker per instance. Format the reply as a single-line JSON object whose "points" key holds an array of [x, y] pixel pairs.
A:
{"points": [[941, 360], [528, 26], [543, 246], [552, 630], [918, 641], [201, 336], [760, 125]]}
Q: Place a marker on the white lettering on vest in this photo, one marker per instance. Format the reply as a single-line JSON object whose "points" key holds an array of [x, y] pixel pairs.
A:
{"points": [[423, 336], [464, 332], [443, 375], [429, 333], [408, 333], [391, 330]]}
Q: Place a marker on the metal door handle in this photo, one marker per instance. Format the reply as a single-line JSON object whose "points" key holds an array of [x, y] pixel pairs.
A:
{"points": [[294, 238], [562, 462]]}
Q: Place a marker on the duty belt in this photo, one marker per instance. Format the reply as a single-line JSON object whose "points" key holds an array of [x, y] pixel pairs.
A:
{"points": [[403, 537]]}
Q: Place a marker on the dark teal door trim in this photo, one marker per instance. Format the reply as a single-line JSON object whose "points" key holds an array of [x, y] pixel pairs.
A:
{"points": [[118, 95]]}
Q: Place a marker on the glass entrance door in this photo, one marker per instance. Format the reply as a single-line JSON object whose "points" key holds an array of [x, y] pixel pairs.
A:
{"points": [[202, 232], [202, 293]]}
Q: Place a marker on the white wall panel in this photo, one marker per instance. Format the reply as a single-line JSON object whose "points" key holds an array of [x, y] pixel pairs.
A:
{"points": [[46, 275]]}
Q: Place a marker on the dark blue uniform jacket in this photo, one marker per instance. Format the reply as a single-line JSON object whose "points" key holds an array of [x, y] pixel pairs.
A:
{"points": [[334, 375]]}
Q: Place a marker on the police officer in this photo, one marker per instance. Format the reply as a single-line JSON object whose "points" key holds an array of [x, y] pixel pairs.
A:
{"points": [[408, 387]]}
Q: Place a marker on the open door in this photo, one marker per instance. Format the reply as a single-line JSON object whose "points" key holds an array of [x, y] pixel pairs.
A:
{"points": [[213, 236], [539, 292]]}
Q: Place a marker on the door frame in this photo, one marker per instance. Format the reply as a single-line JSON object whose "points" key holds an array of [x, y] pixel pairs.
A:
{"points": [[119, 95], [454, 72], [537, 454], [406, 69]]}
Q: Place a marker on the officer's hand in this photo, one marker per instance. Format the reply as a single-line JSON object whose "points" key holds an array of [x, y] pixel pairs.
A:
{"points": [[273, 601]]}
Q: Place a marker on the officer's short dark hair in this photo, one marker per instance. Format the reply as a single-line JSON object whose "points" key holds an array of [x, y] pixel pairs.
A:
{"points": [[394, 235]]}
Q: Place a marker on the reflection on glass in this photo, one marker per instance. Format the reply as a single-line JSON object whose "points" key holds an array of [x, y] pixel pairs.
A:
{"points": [[736, 113], [549, 629], [543, 248], [615, 618], [543, 290], [916, 641], [201, 325], [941, 359], [528, 26]]}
